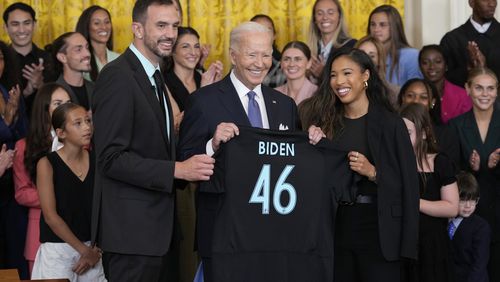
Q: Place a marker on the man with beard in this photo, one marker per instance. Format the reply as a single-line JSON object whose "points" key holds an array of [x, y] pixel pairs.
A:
{"points": [[71, 52], [134, 194], [473, 44]]}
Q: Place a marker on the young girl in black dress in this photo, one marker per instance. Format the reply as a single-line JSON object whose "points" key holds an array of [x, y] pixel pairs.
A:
{"points": [[438, 197], [65, 181]]}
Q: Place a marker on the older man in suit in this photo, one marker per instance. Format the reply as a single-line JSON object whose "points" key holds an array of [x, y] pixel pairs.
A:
{"points": [[215, 112], [133, 215]]}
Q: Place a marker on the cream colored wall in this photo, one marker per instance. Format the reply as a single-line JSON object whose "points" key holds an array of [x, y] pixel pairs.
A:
{"points": [[426, 21]]}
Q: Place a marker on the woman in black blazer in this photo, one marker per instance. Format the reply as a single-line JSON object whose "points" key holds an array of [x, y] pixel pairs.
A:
{"points": [[377, 221], [479, 136]]}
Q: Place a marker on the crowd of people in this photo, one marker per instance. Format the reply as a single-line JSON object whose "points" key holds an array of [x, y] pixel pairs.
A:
{"points": [[110, 163]]}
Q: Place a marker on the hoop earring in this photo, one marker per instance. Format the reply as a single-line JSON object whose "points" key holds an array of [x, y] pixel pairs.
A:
{"points": [[366, 84]]}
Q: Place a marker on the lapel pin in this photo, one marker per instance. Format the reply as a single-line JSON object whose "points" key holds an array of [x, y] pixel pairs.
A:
{"points": [[274, 101]]}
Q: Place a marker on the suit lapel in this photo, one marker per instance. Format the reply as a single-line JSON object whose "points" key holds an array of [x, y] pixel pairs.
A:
{"points": [[271, 107], [373, 130], [471, 132], [492, 140], [148, 90], [230, 100]]}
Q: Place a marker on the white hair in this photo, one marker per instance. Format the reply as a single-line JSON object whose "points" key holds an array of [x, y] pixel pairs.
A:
{"points": [[246, 27]]}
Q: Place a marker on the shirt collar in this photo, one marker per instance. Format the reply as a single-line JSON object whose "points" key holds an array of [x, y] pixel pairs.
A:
{"points": [[325, 49], [481, 28], [241, 89], [146, 64]]}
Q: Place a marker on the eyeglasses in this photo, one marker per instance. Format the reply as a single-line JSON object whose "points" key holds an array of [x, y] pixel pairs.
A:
{"points": [[470, 203]]}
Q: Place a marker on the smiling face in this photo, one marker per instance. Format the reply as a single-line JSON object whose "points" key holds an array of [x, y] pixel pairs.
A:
{"points": [[100, 27], [187, 51], [155, 37], [252, 57], [380, 28], [432, 65], [20, 26], [347, 80], [294, 63], [483, 91], [76, 56], [326, 16]]}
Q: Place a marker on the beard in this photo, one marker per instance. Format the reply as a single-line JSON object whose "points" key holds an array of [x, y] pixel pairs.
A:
{"points": [[152, 45]]}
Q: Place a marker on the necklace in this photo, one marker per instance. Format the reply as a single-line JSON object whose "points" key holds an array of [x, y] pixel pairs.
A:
{"points": [[77, 170]]}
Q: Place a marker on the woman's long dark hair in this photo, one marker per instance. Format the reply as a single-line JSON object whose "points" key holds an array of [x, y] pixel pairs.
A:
{"points": [[39, 139], [83, 27], [398, 38], [425, 142], [325, 110], [11, 73]]}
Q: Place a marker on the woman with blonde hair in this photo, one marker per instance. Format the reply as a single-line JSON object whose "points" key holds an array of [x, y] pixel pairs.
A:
{"points": [[327, 32]]}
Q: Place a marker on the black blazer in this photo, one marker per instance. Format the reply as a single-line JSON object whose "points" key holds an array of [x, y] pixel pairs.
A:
{"points": [[134, 193], [469, 138], [209, 106], [397, 182], [89, 88], [470, 250]]}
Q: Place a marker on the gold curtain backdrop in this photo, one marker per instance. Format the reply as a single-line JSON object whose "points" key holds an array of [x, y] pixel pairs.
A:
{"points": [[213, 19]]}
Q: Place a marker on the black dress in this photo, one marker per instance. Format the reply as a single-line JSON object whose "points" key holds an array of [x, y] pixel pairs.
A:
{"points": [[433, 259], [177, 88], [73, 198]]}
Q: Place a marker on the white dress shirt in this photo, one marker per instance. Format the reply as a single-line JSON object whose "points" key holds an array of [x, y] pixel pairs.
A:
{"points": [[242, 92]]}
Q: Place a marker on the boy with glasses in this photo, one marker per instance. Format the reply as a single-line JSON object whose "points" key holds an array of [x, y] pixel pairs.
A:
{"points": [[469, 234]]}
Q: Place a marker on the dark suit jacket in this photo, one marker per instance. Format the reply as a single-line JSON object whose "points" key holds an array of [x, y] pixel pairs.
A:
{"points": [[397, 182], [454, 45], [89, 87], [489, 179], [470, 250], [134, 194], [208, 107]]}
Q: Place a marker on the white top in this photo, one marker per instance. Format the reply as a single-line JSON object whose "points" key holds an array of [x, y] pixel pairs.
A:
{"points": [[481, 28]]}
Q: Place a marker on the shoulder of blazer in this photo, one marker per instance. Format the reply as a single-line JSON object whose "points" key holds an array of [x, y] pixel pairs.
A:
{"points": [[379, 115], [462, 119]]}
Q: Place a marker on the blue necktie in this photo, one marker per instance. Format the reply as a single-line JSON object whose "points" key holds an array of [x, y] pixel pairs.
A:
{"points": [[451, 229], [254, 111]]}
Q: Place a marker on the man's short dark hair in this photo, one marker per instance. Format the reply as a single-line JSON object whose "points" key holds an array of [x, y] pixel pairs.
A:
{"points": [[141, 7], [18, 6], [467, 186]]}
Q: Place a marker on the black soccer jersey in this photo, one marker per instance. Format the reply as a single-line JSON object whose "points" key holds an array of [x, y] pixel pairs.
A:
{"points": [[275, 222]]}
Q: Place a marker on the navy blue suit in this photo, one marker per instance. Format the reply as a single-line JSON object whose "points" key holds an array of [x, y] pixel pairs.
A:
{"points": [[470, 249]]}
